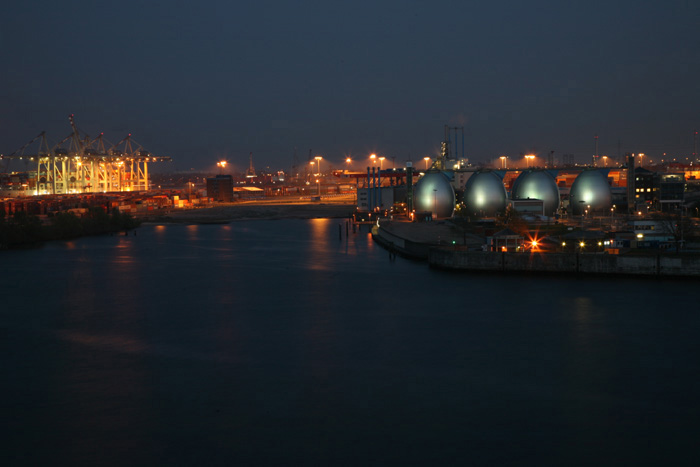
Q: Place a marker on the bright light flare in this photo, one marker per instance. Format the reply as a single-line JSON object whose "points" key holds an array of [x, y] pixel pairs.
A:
{"points": [[534, 243]]}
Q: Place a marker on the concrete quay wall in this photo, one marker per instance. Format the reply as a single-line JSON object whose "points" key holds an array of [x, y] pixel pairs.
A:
{"points": [[400, 245], [658, 265]]}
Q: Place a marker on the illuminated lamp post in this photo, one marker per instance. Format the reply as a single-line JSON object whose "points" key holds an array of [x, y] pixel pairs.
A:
{"points": [[318, 183], [381, 161], [612, 216], [373, 157], [435, 202], [357, 180], [426, 159], [503, 162], [318, 159], [527, 159], [641, 159], [605, 161], [222, 166]]}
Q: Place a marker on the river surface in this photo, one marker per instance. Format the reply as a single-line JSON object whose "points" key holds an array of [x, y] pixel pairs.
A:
{"points": [[277, 343]]}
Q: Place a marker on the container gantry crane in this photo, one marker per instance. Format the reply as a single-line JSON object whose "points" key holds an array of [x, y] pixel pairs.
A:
{"points": [[86, 166]]}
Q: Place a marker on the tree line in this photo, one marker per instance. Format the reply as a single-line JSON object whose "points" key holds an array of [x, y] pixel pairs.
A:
{"points": [[22, 229]]}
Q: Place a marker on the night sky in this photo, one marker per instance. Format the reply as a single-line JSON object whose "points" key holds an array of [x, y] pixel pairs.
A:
{"points": [[201, 80]]}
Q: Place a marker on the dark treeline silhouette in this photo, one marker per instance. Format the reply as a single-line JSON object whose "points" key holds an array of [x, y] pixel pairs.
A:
{"points": [[23, 229]]}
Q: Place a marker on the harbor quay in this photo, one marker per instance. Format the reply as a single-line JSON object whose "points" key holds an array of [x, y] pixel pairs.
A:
{"points": [[443, 246], [659, 264]]}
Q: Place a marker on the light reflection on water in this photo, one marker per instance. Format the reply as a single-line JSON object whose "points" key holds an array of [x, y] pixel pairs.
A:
{"points": [[319, 257], [235, 335]]}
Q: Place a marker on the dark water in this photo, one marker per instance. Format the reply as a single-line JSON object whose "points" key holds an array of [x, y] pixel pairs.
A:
{"points": [[274, 342]]}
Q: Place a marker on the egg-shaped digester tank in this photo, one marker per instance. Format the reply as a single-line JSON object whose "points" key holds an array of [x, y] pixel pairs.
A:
{"points": [[538, 184], [591, 188], [484, 194], [434, 193]]}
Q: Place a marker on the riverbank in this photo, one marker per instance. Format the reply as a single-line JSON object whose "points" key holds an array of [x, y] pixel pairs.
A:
{"points": [[223, 213], [23, 230]]}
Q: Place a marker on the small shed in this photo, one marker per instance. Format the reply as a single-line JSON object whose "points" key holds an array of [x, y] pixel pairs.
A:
{"points": [[505, 240]]}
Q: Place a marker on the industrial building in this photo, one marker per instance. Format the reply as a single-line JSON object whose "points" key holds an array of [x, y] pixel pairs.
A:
{"points": [[658, 191], [579, 191], [220, 188]]}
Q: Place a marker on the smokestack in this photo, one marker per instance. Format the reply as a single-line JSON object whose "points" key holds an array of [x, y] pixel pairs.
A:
{"points": [[595, 158], [375, 172], [369, 192]]}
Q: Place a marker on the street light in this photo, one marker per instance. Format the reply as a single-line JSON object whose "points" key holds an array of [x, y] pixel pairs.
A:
{"points": [[612, 216], [374, 158], [381, 160], [312, 165], [318, 183], [348, 160], [605, 160], [641, 159], [318, 159], [222, 165], [426, 159], [527, 159], [435, 201], [503, 162]]}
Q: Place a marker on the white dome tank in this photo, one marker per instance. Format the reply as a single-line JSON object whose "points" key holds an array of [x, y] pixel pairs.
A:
{"points": [[538, 184], [591, 188], [484, 194], [434, 193]]}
